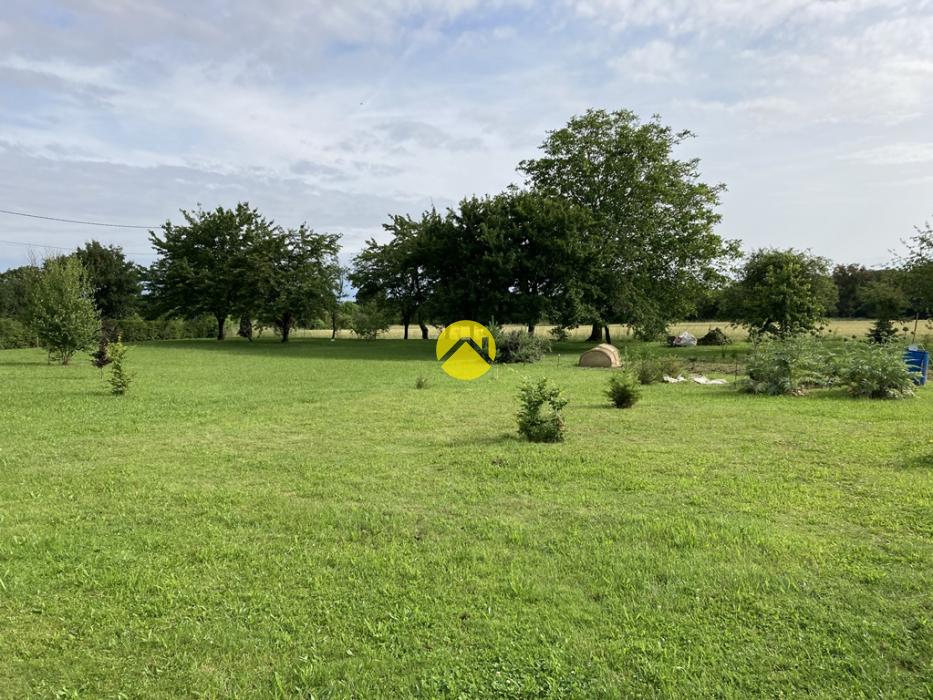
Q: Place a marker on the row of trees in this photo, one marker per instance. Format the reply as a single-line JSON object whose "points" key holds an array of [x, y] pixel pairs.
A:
{"points": [[609, 227], [237, 263]]}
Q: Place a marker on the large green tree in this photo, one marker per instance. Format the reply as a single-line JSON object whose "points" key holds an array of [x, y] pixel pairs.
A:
{"points": [[393, 273], [204, 266], [543, 242], [462, 256], [295, 274], [14, 291], [782, 292], [60, 308], [116, 281], [654, 248], [512, 256]]}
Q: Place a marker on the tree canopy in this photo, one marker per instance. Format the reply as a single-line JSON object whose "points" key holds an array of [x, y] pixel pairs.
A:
{"points": [[203, 266], [918, 271], [782, 292], [653, 247], [116, 281], [60, 308], [295, 273]]}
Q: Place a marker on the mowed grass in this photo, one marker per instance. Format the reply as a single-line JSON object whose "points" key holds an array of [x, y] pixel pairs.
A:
{"points": [[268, 520]]}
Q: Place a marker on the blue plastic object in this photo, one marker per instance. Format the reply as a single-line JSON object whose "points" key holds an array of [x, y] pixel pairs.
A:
{"points": [[918, 362]]}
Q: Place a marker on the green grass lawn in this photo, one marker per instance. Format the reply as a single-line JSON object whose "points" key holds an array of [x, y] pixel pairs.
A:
{"points": [[299, 521]]}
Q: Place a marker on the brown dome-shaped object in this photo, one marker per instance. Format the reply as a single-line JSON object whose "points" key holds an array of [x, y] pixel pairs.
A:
{"points": [[603, 355]]}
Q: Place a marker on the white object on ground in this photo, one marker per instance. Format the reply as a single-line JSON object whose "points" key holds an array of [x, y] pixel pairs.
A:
{"points": [[674, 380], [700, 379], [685, 340]]}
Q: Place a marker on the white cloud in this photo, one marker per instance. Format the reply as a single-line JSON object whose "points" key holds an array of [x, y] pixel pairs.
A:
{"points": [[896, 154], [345, 112], [746, 16], [655, 62]]}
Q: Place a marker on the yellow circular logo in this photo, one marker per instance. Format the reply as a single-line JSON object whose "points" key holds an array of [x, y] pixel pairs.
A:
{"points": [[465, 350]]}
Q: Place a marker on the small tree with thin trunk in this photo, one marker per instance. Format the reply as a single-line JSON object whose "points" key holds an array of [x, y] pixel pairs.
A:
{"points": [[61, 309]]}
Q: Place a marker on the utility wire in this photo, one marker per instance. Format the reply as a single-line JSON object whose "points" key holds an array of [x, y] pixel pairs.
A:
{"points": [[58, 247], [73, 221]]}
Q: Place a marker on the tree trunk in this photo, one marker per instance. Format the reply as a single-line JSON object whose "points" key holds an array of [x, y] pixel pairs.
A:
{"points": [[246, 328], [286, 328], [406, 321], [221, 325], [608, 339], [531, 329], [424, 330], [333, 325], [595, 334]]}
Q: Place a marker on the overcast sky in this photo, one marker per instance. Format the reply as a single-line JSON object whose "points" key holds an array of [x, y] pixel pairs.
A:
{"points": [[817, 115]]}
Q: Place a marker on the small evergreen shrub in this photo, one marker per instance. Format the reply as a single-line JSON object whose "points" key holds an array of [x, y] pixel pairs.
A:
{"points": [[876, 371], [119, 379], [648, 370], [790, 366], [539, 416], [559, 333], [882, 331], [623, 390], [518, 346]]}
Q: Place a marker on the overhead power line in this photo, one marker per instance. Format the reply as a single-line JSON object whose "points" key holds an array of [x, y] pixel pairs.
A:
{"points": [[73, 221], [58, 247]]}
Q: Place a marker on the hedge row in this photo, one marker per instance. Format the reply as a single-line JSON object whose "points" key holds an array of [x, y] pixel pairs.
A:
{"points": [[13, 334], [137, 330]]}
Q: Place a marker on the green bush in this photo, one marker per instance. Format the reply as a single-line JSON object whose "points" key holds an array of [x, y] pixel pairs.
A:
{"points": [[651, 369], [648, 370], [421, 382], [623, 390], [14, 334], [790, 366], [119, 378], [61, 309], [139, 330], [876, 371], [539, 417], [518, 346], [369, 320]]}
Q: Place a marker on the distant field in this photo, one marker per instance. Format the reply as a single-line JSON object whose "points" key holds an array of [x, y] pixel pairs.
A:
{"points": [[269, 520], [839, 326]]}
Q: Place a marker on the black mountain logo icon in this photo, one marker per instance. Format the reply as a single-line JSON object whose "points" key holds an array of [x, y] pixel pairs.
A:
{"points": [[483, 351]]}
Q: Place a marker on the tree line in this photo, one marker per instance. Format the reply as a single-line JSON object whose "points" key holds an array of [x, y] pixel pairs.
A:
{"points": [[608, 226]]}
